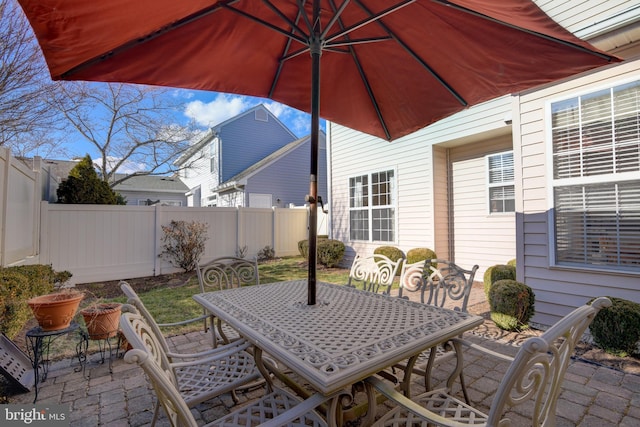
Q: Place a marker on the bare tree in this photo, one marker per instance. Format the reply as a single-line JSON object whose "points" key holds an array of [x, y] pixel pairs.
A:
{"points": [[25, 120], [127, 124]]}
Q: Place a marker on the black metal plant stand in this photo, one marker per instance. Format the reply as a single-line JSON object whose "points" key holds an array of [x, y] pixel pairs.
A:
{"points": [[39, 346], [104, 346]]}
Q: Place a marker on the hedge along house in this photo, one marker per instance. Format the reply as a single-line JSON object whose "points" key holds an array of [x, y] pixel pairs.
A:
{"points": [[477, 188]]}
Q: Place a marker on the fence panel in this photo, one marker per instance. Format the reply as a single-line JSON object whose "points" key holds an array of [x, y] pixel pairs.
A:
{"points": [[100, 242], [20, 214], [222, 230], [291, 226]]}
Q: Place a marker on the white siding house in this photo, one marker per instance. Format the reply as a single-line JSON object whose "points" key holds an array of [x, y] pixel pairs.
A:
{"points": [[478, 187], [438, 192]]}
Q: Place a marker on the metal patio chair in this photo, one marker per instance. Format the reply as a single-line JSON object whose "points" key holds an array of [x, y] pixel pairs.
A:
{"points": [[535, 374], [226, 273], [439, 282], [135, 300], [374, 273], [197, 377]]}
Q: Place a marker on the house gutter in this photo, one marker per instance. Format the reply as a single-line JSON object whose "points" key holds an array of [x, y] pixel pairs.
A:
{"points": [[612, 23]]}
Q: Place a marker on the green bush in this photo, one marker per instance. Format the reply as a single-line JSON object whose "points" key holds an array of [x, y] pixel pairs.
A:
{"points": [[330, 252], [512, 262], [17, 285], [419, 254], [497, 272], [616, 329], [391, 252], [511, 304]]}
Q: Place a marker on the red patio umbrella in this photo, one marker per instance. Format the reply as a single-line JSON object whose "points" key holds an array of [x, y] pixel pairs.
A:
{"points": [[388, 67]]}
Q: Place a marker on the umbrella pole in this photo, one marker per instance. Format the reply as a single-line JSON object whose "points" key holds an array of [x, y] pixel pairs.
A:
{"points": [[316, 52]]}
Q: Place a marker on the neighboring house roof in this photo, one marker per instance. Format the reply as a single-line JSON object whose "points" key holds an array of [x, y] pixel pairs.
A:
{"points": [[214, 131], [152, 183], [240, 179]]}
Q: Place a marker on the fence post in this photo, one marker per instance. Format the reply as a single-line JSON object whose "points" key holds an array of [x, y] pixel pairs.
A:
{"points": [[157, 232], [4, 187]]}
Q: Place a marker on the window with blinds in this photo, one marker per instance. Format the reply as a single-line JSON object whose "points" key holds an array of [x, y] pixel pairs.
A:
{"points": [[501, 184], [596, 180]]}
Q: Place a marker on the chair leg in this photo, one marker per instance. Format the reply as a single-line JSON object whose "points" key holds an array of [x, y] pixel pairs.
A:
{"points": [[156, 413]]}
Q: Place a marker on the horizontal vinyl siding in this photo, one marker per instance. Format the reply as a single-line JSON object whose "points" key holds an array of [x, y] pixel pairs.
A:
{"points": [[246, 141], [574, 15], [287, 178], [354, 153], [480, 238], [558, 289]]}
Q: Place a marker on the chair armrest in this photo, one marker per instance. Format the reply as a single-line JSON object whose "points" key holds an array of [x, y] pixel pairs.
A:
{"points": [[210, 355], [185, 322], [401, 400], [482, 349]]}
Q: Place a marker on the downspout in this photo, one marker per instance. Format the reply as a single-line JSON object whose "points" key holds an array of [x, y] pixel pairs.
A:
{"points": [[450, 224], [329, 179]]}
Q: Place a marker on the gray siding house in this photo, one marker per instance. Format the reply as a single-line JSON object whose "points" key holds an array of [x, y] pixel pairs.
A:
{"points": [[146, 190], [141, 190], [280, 179], [251, 160], [495, 182]]}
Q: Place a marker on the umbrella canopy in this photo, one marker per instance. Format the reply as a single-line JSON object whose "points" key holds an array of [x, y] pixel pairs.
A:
{"points": [[388, 67]]}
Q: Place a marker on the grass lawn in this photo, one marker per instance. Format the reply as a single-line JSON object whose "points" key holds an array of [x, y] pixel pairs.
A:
{"points": [[182, 306]]}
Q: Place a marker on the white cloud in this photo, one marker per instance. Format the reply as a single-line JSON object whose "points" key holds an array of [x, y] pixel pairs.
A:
{"points": [[223, 107]]}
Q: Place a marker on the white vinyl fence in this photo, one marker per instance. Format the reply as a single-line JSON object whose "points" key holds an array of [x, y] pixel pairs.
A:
{"points": [[117, 242], [99, 243], [19, 204]]}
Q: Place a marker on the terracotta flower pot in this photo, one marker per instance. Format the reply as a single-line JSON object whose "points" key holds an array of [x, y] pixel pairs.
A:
{"points": [[102, 320], [55, 311]]}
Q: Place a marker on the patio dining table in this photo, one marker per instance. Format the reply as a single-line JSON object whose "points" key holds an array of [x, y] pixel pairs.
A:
{"points": [[347, 336]]}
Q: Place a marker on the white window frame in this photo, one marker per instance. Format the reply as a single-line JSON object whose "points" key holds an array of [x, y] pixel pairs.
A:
{"points": [[370, 209], [503, 183], [590, 184]]}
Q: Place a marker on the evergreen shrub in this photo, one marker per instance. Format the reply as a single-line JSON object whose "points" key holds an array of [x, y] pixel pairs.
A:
{"points": [[330, 252], [511, 304], [497, 272], [616, 329], [391, 252], [420, 254]]}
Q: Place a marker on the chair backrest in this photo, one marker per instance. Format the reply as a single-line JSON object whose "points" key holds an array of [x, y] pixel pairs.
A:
{"points": [[540, 365], [439, 282], [374, 273], [134, 299], [141, 336], [167, 394], [226, 273]]}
